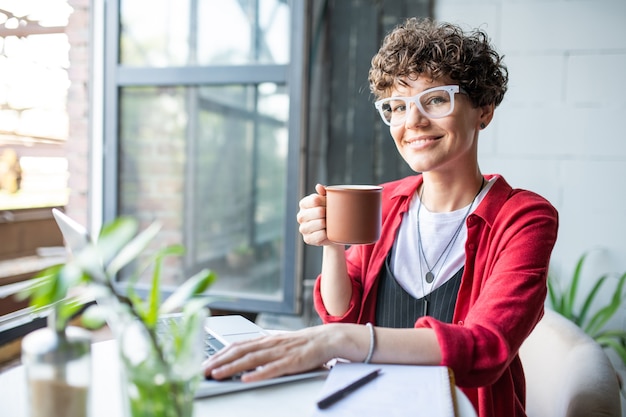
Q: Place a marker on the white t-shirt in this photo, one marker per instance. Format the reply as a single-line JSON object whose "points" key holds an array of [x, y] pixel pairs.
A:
{"points": [[436, 230]]}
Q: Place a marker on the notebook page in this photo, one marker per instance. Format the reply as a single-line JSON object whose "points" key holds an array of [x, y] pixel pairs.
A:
{"points": [[399, 390]]}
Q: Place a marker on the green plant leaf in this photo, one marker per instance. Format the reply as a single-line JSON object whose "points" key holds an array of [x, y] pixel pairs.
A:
{"points": [[149, 261], [603, 315], [89, 260], [189, 323], [620, 335], [115, 236], [556, 299], [131, 249], [193, 286], [617, 347], [563, 301], [589, 300], [52, 288], [154, 299], [570, 297], [51, 285], [140, 307], [94, 316], [599, 319], [66, 309], [34, 285]]}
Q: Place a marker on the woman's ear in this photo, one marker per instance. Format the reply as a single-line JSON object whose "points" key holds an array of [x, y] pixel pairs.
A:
{"points": [[486, 114]]}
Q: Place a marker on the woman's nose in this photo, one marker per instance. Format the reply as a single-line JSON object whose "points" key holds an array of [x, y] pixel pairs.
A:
{"points": [[414, 117]]}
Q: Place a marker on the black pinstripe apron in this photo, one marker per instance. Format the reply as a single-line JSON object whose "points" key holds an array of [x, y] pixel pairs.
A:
{"points": [[397, 308]]}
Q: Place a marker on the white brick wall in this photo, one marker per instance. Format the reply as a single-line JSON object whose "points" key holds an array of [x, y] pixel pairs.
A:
{"points": [[561, 130]]}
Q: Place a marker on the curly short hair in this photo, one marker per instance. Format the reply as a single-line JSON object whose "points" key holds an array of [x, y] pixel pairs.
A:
{"points": [[440, 50]]}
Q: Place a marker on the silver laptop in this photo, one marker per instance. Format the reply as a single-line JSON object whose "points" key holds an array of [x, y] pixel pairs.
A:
{"points": [[220, 330]]}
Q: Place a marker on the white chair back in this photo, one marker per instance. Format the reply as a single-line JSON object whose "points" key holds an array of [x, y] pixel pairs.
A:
{"points": [[567, 373]]}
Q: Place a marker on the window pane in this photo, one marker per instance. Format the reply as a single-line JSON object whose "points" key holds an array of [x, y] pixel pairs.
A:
{"points": [[204, 32], [210, 163], [34, 122]]}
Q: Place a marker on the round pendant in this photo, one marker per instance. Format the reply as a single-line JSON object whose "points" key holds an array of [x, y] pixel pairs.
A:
{"points": [[429, 277]]}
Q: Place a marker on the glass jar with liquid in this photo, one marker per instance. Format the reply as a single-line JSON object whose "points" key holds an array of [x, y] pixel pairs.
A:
{"points": [[58, 372]]}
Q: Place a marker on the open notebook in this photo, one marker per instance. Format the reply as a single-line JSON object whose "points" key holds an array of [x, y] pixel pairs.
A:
{"points": [[220, 330], [399, 390]]}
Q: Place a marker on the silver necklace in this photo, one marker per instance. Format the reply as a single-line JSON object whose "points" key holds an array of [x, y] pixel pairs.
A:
{"points": [[429, 277]]}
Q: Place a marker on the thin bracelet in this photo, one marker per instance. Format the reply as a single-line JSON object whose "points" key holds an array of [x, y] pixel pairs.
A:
{"points": [[372, 343]]}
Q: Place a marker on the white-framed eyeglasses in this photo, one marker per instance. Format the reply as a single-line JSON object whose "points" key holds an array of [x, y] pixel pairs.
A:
{"points": [[433, 103]]}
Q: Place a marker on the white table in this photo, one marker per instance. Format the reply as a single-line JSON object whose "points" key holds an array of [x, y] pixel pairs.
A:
{"points": [[288, 400]]}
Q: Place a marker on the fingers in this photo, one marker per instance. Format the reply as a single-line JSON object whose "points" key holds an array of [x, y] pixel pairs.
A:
{"points": [[311, 213], [314, 200], [263, 358], [229, 361], [312, 217], [246, 357]]}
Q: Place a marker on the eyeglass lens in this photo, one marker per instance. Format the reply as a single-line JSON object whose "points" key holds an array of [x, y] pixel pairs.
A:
{"points": [[433, 104]]}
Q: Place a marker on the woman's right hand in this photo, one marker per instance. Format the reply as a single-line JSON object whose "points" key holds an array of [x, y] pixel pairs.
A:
{"points": [[312, 218], [335, 287]]}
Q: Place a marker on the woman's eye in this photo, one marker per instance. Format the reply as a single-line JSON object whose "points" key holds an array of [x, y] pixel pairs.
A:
{"points": [[398, 108], [435, 100]]}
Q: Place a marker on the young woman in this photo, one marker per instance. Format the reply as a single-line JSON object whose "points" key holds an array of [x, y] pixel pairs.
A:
{"points": [[458, 277]]}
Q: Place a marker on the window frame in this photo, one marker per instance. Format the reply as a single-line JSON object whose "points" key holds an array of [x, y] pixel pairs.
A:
{"points": [[292, 75]]}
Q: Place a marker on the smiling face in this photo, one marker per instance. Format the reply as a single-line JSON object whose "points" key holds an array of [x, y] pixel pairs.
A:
{"points": [[447, 143]]}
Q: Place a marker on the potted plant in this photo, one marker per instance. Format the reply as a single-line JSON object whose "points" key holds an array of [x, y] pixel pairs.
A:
{"points": [[563, 299], [160, 372]]}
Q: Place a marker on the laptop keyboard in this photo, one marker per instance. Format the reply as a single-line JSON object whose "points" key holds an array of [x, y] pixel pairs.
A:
{"points": [[211, 344]]}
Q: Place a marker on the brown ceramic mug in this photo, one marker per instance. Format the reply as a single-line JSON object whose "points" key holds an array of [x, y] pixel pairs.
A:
{"points": [[353, 213]]}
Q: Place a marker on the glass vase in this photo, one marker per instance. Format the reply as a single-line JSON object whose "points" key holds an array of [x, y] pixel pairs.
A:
{"points": [[161, 370], [58, 372]]}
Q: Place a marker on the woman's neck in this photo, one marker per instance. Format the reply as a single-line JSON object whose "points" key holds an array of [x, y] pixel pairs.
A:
{"points": [[441, 194]]}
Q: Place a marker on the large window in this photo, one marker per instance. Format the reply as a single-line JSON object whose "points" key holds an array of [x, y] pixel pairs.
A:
{"points": [[202, 122], [34, 87]]}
